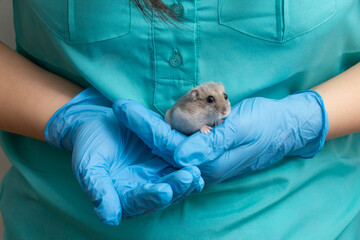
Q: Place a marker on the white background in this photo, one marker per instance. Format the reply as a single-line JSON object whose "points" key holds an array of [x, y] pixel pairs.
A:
{"points": [[7, 36]]}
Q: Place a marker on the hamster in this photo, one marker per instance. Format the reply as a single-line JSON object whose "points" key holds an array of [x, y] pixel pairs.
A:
{"points": [[202, 108]]}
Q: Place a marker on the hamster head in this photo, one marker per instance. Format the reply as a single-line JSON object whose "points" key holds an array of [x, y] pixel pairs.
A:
{"points": [[212, 99]]}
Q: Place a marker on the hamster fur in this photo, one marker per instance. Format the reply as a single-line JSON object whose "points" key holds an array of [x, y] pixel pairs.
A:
{"points": [[199, 109]]}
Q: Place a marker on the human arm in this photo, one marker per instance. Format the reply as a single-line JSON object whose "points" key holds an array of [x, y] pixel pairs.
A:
{"points": [[341, 96], [29, 95], [118, 173]]}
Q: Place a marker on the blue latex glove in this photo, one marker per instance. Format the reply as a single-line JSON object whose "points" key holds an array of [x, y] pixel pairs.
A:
{"points": [[113, 166], [257, 133]]}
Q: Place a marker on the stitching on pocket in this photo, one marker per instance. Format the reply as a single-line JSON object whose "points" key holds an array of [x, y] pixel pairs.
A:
{"points": [[283, 39], [98, 36], [316, 26], [67, 34], [46, 25]]}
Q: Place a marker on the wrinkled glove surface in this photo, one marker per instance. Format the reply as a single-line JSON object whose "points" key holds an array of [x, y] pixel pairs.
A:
{"points": [[112, 165], [257, 133]]}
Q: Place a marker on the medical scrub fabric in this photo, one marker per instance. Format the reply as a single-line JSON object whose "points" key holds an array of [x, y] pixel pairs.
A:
{"points": [[255, 48]]}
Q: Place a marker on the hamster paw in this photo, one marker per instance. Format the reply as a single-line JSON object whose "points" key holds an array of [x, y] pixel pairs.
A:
{"points": [[205, 129]]}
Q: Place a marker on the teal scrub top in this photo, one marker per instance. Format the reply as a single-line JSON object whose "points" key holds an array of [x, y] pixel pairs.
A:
{"points": [[255, 48]]}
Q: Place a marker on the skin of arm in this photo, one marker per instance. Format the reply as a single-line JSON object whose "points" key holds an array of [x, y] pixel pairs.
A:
{"points": [[341, 96], [29, 95]]}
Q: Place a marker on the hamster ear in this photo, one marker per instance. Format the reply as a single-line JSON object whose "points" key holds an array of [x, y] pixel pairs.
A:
{"points": [[195, 94]]}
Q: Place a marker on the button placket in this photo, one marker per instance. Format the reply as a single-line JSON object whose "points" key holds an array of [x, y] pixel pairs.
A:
{"points": [[174, 54]]}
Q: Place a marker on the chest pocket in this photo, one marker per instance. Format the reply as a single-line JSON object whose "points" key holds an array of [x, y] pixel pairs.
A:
{"points": [[84, 21], [275, 20]]}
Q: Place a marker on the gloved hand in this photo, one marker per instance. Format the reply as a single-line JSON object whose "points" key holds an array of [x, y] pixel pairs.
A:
{"points": [[257, 133], [117, 171]]}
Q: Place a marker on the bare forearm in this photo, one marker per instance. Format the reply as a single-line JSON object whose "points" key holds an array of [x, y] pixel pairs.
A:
{"points": [[29, 95], [341, 96]]}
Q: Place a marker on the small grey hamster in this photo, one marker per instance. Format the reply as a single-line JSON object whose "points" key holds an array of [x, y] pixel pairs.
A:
{"points": [[201, 108]]}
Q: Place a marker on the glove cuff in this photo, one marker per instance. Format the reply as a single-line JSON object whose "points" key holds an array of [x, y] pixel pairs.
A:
{"points": [[316, 144], [62, 126]]}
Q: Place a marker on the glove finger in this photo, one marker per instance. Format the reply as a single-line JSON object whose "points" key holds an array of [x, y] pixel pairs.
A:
{"points": [[183, 182], [200, 148], [196, 186], [150, 127], [157, 170], [96, 182], [239, 162], [146, 197], [198, 182]]}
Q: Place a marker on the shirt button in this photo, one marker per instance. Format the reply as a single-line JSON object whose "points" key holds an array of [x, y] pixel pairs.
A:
{"points": [[177, 9], [175, 59]]}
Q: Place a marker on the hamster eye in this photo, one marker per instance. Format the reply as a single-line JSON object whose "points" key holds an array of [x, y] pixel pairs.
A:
{"points": [[210, 99], [225, 96]]}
